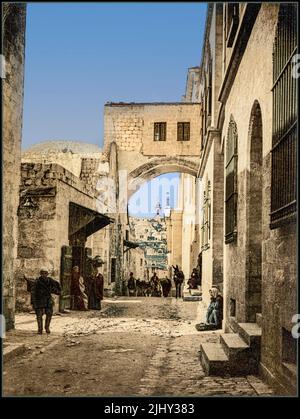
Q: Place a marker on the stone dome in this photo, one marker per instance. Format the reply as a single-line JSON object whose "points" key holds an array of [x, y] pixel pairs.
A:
{"points": [[62, 146]]}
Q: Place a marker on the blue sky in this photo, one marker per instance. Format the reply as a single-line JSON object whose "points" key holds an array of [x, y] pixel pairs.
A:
{"points": [[143, 203], [81, 55]]}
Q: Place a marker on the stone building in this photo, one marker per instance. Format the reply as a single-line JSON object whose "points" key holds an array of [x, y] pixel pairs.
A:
{"points": [[151, 235], [235, 130], [148, 139], [251, 132], [211, 156], [181, 227], [13, 27], [59, 214]]}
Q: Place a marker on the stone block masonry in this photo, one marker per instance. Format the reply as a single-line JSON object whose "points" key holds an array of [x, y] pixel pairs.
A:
{"points": [[14, 18], [45, 193], [131, 126]]}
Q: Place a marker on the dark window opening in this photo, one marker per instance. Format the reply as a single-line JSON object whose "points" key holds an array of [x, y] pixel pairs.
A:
{"points": [[232, 22], [206, 217], [183, 131], [232, 307], [289, 347], [113, 270], [231, 183], [202, 123], [209, 91], [160, 129], [284, 136]]}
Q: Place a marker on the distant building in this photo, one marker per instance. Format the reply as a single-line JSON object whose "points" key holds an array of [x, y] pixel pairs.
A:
{"points": [[151, 234]]}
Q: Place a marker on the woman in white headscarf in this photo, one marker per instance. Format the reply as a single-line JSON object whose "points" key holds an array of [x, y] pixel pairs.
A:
{"points": [[216, 316]]}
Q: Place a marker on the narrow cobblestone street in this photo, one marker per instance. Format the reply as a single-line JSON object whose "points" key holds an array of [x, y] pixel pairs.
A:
{"points": [[133, 347]]}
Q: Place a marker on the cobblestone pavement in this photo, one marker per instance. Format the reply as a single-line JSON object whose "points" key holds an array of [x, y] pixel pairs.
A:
{"points": [[134, 346]]}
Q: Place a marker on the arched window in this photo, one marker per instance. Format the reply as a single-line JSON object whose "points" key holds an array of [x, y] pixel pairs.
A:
{"points": [[284, 136], [231, 182]]}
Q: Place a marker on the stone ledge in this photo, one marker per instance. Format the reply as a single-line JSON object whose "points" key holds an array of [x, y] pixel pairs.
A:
{"points": [[189, 297], [10, 350]]}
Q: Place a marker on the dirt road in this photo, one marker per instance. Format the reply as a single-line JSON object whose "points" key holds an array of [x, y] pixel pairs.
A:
{"points": [[134, 346]]}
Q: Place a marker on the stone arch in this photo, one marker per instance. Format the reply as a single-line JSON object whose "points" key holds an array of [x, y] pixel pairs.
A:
{"points": [[254, 214], [159, 166]]}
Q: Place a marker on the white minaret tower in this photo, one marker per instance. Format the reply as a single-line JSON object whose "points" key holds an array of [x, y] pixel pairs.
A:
{"points": [[158, 210], [167, 210]]}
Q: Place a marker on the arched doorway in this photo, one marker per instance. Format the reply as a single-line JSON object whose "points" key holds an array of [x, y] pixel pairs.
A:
{"points": [[254, 216]]}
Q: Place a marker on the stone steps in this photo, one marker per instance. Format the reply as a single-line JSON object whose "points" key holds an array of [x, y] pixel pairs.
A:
{"points": [[237, 353], [192, 295], [189, 297], [242, 359], [213, 359], [250, 332]]}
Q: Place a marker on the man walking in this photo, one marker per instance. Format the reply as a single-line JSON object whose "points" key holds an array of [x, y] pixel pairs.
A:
{"points": [[96, 284], [41, 300]]}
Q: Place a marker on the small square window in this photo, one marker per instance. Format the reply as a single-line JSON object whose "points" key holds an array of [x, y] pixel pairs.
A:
{"points": [[160, 129], [183, 131]]}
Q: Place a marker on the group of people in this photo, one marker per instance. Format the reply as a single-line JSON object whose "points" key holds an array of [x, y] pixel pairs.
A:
{"points": [[84, 295], [87, 294], [155, 287]]}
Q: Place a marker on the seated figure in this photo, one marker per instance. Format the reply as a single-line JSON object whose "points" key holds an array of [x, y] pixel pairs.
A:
{"points": [[214, 315]]}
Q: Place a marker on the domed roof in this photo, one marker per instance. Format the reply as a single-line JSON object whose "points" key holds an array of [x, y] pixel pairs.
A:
{"points": [[63, 146]]}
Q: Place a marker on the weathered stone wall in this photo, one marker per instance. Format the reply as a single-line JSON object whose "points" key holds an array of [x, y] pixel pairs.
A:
{"points": [[279, 292], [44, 227], [252, 85], [211, 159], [217, 221], [14, 15], [99, 243], [187, 186], [207, 252], [175, 231], [68, 154], [131, 126]]}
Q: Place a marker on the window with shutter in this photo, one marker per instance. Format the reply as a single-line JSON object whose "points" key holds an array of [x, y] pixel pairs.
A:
{"points": [[183, 131], [231, 182], [160, 130]]}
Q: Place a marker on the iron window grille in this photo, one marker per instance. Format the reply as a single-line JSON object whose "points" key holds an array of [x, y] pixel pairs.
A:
{"points": [[284, 130]]}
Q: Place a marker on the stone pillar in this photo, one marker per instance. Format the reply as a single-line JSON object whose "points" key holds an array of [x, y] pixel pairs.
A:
{"points": [[14, 18]]}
